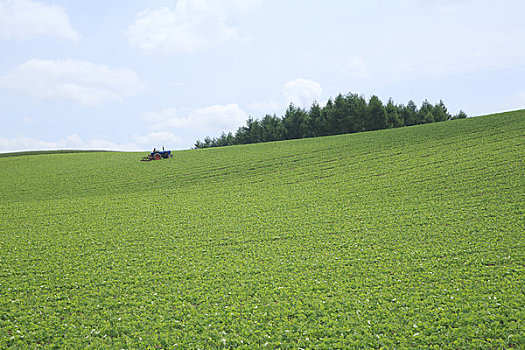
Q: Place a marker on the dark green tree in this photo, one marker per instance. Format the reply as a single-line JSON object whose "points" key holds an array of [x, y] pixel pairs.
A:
{"points": [[325, 115], [409, 113], [198, 144], [440, 112], [294, 122], [345, 114], [337, 120], [242, 136], [271, 128], [356, 112], [460, 115], [425, 114], [375, 114], [314, 121], [225, 140], [394, 118]]}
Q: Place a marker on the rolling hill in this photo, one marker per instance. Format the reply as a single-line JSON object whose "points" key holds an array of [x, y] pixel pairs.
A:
{"points": [[409, 237]]}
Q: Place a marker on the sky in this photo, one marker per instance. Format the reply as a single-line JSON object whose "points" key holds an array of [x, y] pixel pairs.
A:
{"points": [[133, 75]]}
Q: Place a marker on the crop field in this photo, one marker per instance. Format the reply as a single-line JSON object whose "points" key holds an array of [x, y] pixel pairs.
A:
{"points": [[404, 238]]}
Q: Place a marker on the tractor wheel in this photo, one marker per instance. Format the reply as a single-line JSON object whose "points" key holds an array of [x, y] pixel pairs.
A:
{"points": [[157, 156]]}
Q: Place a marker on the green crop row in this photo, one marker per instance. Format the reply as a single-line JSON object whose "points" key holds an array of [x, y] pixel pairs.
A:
{"points": [[406, 238]]}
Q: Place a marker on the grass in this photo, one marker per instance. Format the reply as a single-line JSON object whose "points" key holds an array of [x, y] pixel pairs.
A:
{"points": [[405, 238]]}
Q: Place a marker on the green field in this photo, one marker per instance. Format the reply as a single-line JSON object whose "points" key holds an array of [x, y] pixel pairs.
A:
{"points": [[404, 238]]}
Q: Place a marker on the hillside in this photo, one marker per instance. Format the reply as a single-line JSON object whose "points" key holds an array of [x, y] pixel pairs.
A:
{"points": [[409, 237]]}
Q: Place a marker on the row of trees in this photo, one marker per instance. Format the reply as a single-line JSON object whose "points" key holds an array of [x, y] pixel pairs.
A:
{"points": [[345, 114]]}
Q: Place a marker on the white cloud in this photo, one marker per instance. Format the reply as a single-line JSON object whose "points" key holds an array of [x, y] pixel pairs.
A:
{"points": [[24, 18], [72, 141], [212, 119], [194, 25], [302, 92], [80, 81]]}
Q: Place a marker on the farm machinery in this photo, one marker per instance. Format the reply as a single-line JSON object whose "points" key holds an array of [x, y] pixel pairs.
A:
{"points": [[157, 155]]}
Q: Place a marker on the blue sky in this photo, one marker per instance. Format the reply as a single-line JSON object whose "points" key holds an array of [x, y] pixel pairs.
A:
{"points": [[133, 75]]}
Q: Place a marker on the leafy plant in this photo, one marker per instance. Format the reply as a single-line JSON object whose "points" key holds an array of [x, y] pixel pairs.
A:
{"points": [[401, 238]]}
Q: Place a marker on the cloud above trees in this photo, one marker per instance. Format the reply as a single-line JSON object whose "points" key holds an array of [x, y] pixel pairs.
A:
{"points": [[302, 92]]}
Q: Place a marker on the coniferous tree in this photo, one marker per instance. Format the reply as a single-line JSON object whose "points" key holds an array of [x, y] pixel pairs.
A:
{"points": [[198, 144], [393, 117], [337, 117], [345, 114], [225, 140], [325, 116], [271, 128], [294, 121], [460, 115], [242, 135], [314, 121], [255, 130], [440, 112], [425, 113], [356, 112], [409, 113], [375, 114]]}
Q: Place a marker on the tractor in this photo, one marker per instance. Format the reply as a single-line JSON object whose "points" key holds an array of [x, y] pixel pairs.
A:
{"points": [[157, 155]]}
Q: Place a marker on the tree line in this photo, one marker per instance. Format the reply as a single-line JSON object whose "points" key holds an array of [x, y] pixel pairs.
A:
{"points": [[345, 114]]}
